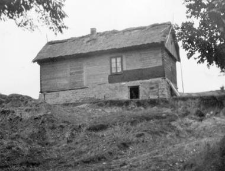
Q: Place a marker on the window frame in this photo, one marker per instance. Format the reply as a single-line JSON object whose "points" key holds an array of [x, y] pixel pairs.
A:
{"points": [[121, 63]]}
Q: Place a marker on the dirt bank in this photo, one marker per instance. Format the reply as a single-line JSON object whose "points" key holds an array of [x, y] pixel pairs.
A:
{"points": [[111, 135]]}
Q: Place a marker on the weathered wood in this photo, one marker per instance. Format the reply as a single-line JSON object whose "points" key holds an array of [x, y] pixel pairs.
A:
{"points": [[87, 71], [170, 67], [97, 68], [54, 76], [143, 59], [170, 46], [76, 76], [137, 74]]}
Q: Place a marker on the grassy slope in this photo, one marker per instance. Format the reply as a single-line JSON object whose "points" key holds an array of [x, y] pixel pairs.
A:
{"points": [[97, 137]]}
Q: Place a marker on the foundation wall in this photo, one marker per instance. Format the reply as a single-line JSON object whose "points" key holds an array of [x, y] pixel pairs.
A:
{"points": [[149, 89]]}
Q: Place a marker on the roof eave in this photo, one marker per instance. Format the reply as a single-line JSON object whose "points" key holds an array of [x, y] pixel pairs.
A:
{"points": [[99, 52]]}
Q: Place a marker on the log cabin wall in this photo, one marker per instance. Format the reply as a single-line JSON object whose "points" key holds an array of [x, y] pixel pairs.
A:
{"points": [[75, 73]]}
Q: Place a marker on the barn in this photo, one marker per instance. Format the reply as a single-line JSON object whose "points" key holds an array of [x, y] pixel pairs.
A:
{"points": [[135, 63]]}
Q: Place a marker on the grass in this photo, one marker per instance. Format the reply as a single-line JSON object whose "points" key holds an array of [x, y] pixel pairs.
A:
{"points": [[111, 136], [211, 158], [114, 137], [113, 140], [109, 140]]}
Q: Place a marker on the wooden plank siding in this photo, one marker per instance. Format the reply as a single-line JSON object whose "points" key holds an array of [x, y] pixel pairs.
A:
{"points": [[138, 74], [97, 69], [76, 77], [54, 76], [170, 45], [143, 59], [170, 67], [140, 65], [86, 71]]}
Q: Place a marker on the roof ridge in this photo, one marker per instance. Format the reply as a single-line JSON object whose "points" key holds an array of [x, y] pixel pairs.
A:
{"points": [[103, 41]]}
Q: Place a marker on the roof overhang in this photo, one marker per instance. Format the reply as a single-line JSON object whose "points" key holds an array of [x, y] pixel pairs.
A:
{"points": [[119, 50]]}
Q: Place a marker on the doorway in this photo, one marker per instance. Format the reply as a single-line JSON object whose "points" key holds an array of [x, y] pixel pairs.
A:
{"points": [[134, 92]]}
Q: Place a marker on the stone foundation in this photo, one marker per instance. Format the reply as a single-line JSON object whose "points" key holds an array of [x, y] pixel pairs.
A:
{"points": [[148, 89]]}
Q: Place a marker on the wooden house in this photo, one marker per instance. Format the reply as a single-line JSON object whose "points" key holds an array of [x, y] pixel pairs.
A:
{"points": [[135, 63]]}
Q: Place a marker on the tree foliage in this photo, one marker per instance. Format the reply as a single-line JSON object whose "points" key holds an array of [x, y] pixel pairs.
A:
{"points": [[27, 13], [203, 34]]}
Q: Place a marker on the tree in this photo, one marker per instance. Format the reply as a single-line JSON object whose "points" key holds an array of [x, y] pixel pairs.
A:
{"points": [[47, 12], [203, 34]]}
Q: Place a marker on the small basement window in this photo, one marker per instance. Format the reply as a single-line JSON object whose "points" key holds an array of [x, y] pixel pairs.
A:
{"points": [[134, 92]]}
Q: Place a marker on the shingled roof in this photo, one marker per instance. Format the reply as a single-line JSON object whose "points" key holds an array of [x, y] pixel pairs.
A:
{"points": [[104, 41]]}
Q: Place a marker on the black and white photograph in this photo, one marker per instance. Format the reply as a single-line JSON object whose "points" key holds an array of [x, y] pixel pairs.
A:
{"points": [[112, 85]]}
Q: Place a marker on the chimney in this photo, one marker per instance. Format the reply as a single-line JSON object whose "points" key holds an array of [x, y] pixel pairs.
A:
{"points": [[93, 31]]}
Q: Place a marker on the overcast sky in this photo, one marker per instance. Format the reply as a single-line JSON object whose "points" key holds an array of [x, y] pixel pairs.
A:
{"points": [[18, 47]]}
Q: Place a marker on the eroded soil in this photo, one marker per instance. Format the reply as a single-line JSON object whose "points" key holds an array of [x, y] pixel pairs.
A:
{"points": [[109, 136]]}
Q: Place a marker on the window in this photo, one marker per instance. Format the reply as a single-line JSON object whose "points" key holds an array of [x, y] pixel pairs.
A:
{"points": [[116, 65], [134, 92]]}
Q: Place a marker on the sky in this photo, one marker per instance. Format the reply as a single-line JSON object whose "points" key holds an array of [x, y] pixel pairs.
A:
{"points": [[18, 47]]}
